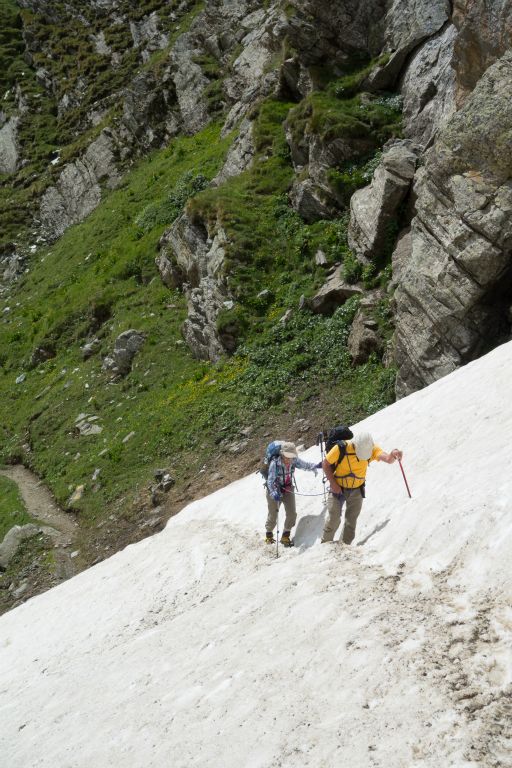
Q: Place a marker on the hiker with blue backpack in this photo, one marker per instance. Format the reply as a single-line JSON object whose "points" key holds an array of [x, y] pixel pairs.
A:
{"points": [[345, 466], [281, 461]]}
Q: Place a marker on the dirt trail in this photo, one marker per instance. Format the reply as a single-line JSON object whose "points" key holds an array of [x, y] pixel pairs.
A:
{"points": [[42, 507]]}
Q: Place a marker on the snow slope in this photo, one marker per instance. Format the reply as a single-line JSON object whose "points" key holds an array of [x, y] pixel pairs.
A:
{"points": [[197, 647]]}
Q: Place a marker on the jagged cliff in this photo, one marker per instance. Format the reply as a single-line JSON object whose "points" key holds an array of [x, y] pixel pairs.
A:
{"points": [[310, 196], [123, 81]]}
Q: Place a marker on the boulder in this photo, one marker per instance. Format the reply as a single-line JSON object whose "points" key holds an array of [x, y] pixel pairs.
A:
{"points": [[90, 348], [11, 264], [454, 295], [332, 294], [311, 201], [13, 540], [127, 344], [373, 208], [364, 338]]}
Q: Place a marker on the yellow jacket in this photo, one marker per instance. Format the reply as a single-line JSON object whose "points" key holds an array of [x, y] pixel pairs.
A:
{"points": [[351, 471]]}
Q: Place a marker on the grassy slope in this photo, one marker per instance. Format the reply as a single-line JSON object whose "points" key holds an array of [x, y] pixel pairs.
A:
{"points": [[100, 279], [103, 270], [65, 49], [12, 507]]}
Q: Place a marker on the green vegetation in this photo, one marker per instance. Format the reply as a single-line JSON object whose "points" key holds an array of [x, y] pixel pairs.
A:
{"points": [[74, 80], [12, 506], [100, 279], [11, 44], [365, 120]]}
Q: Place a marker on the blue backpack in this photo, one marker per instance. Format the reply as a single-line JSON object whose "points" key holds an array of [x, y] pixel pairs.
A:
{"points": [[272, 451]]}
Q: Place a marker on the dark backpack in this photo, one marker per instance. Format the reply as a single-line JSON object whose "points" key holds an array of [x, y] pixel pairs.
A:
{"points": [[336, 436]]}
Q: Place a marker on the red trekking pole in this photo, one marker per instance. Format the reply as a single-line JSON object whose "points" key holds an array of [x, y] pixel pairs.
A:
{"points": [[405, 479]]}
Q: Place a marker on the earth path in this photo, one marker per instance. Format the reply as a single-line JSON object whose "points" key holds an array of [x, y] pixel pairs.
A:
{"points": [[56, 523]]}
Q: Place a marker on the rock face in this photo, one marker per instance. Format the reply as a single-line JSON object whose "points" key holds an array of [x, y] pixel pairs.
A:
{"points": [[127, 344], [321, 30], [147, 35], [190, 83], [146, 111], [78, 189], [454, 296], [9, 146], [484, 34], [374, 207], [312, 195], [240, 154], [428, 87], [192, 258], [406, 25]]}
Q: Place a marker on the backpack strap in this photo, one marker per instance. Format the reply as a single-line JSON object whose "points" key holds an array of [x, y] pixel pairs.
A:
{"points": [[351, 474], [342, 447]]}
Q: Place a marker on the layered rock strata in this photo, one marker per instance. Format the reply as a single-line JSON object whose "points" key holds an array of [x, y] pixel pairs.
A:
{"points": [[454, 294]]}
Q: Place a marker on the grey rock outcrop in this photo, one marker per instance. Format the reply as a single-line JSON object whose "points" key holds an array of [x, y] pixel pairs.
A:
{"points": [[190, 83], [78, 189], [312, 195], [90, 348], [127, 344], [429, 87], [453, 298], [13, 540], [364, 338], [240, 154], [9, 152], [192, 256], [406, 25], [374, 207], [332, 294], [11, 265], [147, 35], [484, 35], [148, 110], [322, 30]]}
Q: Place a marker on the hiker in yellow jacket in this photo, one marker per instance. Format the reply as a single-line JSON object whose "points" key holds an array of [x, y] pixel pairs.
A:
{"points": [[347, 478]]}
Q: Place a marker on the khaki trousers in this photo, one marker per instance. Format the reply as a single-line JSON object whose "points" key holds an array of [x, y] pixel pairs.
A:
{"points": [[354, 502], [288, 502]]}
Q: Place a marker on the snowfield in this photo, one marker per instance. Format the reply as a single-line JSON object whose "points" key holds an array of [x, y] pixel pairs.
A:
{"points": [[197, 647]]}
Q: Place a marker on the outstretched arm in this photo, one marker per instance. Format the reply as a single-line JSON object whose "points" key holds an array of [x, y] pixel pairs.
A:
{"points": [[309, 466], [390, 458]]}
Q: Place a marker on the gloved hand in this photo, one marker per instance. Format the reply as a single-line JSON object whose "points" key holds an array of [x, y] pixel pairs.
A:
{"points": [[319, 465], [276, 496]]}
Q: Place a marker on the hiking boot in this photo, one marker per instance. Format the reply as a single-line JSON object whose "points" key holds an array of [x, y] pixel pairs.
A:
{"points": [[286, 540], [269, 538]]}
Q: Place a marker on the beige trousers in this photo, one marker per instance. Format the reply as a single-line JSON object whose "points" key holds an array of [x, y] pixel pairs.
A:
{"points": [[288, 502], [354, 502]]}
